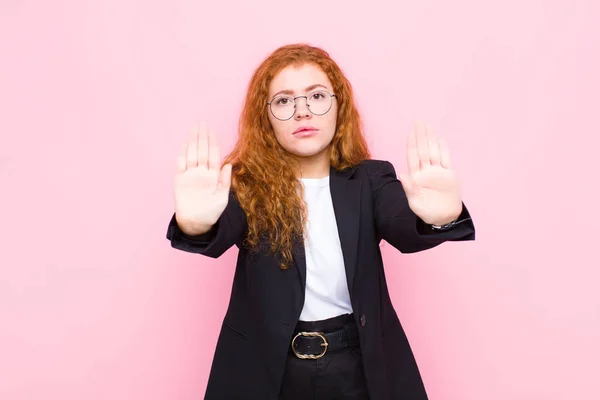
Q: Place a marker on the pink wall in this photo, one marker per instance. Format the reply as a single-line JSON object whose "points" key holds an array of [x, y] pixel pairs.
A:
{"points": [[96, 98]]}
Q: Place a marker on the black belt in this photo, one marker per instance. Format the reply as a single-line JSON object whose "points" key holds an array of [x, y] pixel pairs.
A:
{"points": [[313, 345]]}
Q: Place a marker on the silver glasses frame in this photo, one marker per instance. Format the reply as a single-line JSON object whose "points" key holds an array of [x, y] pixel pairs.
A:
{"points": [[307, 105]]}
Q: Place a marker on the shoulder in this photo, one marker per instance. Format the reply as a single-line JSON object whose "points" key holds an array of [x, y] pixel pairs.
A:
{"points": [[375, 169], [379, 173]]}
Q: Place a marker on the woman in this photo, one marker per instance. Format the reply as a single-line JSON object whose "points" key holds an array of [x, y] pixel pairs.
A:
{"points": [[310, 316]]}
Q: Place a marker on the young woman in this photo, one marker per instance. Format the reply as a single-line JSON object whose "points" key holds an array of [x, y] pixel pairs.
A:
{"points": [[310, 315]]}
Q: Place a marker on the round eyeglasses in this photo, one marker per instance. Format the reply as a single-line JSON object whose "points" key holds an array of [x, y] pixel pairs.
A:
{"points": [[284, 107]]}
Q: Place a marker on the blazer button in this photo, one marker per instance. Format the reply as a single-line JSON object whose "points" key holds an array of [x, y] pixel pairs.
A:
{"points": [[363, 320]]}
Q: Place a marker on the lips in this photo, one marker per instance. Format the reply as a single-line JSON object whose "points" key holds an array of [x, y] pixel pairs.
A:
{"points": [[305, 130]]}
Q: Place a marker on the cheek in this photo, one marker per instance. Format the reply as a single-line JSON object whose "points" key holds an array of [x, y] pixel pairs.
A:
{"points": [[279, 128], [332, 119]]}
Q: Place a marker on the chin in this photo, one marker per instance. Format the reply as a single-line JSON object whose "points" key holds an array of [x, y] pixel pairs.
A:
{"points": [[307, 151]]}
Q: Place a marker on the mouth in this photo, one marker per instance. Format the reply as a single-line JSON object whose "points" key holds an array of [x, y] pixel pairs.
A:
{"points": [[304, 130]]}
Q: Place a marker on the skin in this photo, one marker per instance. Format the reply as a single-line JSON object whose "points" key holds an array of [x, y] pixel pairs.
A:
{"points": [[312, 153]]}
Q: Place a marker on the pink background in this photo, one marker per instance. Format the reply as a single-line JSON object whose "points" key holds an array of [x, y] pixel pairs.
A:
{"points": [[96, 98]]}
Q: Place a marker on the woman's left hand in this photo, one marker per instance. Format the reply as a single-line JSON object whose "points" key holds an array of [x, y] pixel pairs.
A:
{"points": [[431, 185]]}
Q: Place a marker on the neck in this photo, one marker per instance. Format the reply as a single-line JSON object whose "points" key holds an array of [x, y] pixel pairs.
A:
{"points": [[314, 167]]}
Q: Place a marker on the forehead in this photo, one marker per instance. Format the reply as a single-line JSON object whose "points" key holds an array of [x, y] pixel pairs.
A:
{"points": [[298, 78]]}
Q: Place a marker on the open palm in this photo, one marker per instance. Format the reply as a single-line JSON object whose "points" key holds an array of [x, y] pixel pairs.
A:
{"points": [[431, 185], [201, 184]]}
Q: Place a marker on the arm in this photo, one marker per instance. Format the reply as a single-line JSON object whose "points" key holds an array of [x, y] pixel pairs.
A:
{"points": [[229, 229], [398, 225]]}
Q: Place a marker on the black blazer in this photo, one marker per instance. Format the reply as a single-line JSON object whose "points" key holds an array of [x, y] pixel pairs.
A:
{"points": [[250, 356]]}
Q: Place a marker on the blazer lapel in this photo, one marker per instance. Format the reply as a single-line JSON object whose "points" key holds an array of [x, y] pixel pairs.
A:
{"points": [[299, 257], [345, 195]]}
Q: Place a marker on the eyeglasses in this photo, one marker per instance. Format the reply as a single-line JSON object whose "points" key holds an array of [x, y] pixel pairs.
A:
{"points": [[284, 107]]}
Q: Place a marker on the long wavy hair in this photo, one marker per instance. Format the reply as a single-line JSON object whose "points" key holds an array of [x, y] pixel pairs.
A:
{"points": [[264, 174]]}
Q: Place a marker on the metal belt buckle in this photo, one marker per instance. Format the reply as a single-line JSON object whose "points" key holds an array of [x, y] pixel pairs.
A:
{"points": [[310, 356]]}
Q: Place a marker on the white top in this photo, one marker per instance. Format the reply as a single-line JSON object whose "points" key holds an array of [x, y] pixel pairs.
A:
{"points": [[326, 285]]}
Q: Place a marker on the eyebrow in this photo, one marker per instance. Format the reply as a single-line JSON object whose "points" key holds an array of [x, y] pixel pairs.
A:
{"points": [[308, 89]]}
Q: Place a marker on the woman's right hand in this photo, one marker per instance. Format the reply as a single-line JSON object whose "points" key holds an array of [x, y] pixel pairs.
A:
{"points": [[201, 184]]}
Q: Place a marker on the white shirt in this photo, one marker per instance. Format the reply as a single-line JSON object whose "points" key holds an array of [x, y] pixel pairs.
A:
{"points": [[326, 293]]}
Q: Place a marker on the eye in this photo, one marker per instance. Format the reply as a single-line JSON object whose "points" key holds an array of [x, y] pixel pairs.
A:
{"points": [[282, 101], [317, 96]]}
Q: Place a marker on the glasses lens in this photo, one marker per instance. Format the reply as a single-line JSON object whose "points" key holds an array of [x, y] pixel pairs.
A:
{"points": [[282, 107], [319, 102]]}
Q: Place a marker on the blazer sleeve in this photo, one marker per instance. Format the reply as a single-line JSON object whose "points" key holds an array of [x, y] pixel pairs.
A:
{"points": [[229, 229], [398, 225]]}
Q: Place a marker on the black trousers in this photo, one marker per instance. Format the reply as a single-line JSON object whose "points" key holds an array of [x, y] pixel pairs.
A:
{"points": [[338, 375]]}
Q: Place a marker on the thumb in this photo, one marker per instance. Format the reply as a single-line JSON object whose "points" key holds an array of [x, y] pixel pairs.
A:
{"points": [[407, 183], [224, 182]]}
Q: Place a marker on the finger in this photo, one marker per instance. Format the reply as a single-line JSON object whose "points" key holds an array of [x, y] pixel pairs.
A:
{"points": [[412, 154], [224, 182], [434, 147], [422, 145], [214, 155], [203, 145], [445, 154], [192, 150], [181, 164]]}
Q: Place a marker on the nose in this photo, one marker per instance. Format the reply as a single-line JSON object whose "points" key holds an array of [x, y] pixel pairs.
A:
{"points": [[302, 110]]}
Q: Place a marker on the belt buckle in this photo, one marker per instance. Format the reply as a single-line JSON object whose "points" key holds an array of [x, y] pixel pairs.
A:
{"points": [[310, 356]]}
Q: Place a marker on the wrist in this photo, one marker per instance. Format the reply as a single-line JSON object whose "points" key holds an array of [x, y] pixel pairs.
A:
{"points": [[450, 217], [446, 223], [443, 222], [193, 229]]}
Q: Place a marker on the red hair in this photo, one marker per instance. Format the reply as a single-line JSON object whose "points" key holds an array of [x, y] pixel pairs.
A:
{"points": [[262, 178]]}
